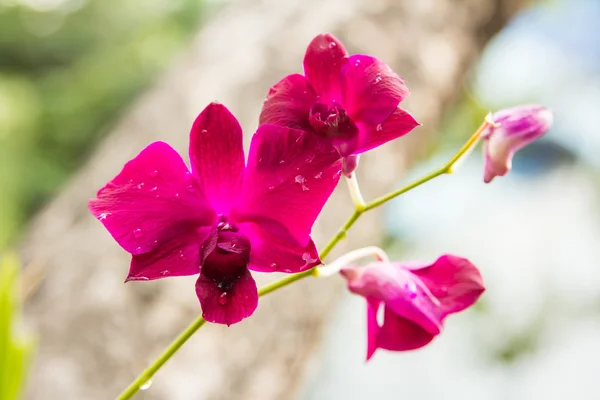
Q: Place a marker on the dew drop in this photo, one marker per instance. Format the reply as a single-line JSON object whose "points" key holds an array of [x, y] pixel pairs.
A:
{"points": [[332, 45], [141, 185], [146, 385], [281, 161], [155, 243], [260, 160], [138, 250], [319, 175], [103, 216], [204, 131], [165, 272], [357, 63], [299, 138], [137, 232], [274, 266], [308, 260], [337, 174], [310, 158], [176, 195], [299, 179], [181, 256], [222, 300], [412, 289], [379, 128], [190, 188], [271, 187], [378, 78], [154, 189], [154, 173]]}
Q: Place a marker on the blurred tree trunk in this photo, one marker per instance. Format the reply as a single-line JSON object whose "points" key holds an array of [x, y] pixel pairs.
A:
{"points": [[96, 333]]}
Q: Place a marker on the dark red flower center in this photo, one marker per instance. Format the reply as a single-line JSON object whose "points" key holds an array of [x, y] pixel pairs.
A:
{"points": [[331, 121], [224, 257]]}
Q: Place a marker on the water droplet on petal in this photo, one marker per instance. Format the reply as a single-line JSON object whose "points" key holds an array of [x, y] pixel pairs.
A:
{"points": [[332, 45], [146, 385], [141, 185], [274, 266], [319, 175], [411, 287], [204, 131], [300, 180], [310, 158], [137, 232], [222, 300], [281, 161], [379, 128], [154, 189], [176, 195], [138, 250], [154, 173], [190, 188], [103, 216], [165, 272], [337, 174], [271, 187], [357, 63], [378, 78], [181, 256], [155, 243]]}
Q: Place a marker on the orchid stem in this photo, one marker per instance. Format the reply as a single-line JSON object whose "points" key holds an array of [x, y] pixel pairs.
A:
{"points": [[360, 208]]}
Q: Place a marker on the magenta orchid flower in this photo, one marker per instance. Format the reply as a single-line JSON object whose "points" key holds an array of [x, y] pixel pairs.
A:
{"points": [[417, 297], [221, 218], [517, 127], [352, 101]]}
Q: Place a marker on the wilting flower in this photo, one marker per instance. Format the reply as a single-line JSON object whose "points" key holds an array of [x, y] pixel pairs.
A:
{"points": [[417, 297], [222, 218], [517, 127], [350, 100]]}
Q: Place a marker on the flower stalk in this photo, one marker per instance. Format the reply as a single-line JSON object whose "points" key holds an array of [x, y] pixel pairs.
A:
{"points": [[360, 208]]}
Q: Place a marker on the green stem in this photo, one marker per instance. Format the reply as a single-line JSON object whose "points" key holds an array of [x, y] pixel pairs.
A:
{"points": [[149, 372]]}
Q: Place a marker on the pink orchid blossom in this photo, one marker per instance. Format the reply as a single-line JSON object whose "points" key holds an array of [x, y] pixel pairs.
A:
{"points": [[352, 101], [517, 127], [221, 218], [417, 297]]}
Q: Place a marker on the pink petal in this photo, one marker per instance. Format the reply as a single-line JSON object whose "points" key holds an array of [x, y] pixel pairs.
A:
{"points": [[288, 103], [152, 200], [230, 306], [373, 305], [401, 334], [274, 250], [178, 257], [371, 91], [399, 123], [217, 155], [454, 281], [289, 177], [324, 57]]}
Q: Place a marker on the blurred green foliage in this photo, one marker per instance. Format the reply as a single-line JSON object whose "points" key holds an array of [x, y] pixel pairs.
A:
{"points": [[15, 348], [68, 68]]}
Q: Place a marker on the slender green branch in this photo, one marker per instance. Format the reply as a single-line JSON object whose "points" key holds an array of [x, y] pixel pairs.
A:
{"points": [[361, 208]]}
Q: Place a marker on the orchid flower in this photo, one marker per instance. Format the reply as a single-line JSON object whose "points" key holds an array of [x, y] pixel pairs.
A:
{"points": [[221, 218], [352, 101], [515, 128], [417, 297]]}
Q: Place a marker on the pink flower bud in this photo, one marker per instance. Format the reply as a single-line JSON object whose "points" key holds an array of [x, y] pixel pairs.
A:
{"points": [[518, 126]]}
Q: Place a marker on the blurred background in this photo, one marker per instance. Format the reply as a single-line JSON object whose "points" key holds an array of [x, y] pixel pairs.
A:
{"points": [[86, 84]]}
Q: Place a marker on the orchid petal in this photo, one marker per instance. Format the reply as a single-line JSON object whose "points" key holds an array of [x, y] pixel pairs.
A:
{"points": [[274, 250], [401, 334], [323, 60], [178, 257], [288, 103], [454, 281], [217, 155], [289, 177], [371, 91], [398, 124], [373, 305], [152, 200], [230, 306]]}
